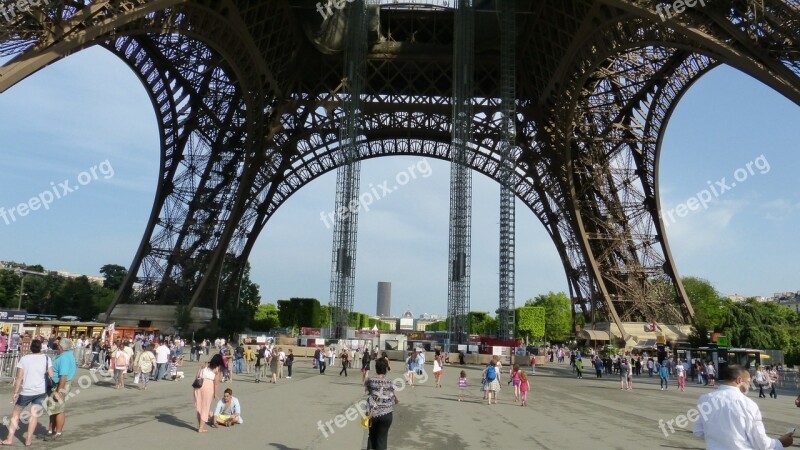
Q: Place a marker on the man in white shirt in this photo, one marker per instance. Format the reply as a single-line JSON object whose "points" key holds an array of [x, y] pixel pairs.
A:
{"points": [[162, 360], [729, 420]]}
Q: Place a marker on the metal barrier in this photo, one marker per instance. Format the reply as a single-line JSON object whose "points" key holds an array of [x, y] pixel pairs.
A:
{"points": [[8, 364]]}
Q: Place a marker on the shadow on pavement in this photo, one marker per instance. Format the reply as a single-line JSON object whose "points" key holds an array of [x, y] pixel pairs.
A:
{"points": [[174, 421], [281, 446]]}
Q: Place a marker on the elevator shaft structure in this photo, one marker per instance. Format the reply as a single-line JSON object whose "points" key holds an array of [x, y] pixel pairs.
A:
{"points": [[348, 175], [458, 294], [508, 95]]}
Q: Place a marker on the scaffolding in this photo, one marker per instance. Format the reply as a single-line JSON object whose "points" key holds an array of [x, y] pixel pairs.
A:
{"points": [[348, 176], [508, 95], [461, 176]]}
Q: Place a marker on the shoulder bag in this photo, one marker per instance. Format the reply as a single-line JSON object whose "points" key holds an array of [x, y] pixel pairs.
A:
{"points": [[48, 383], [366, 422], [198, 381]]}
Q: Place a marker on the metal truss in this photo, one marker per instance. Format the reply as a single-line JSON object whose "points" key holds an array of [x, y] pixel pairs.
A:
{"points": [[508, 98], [461, 177], [348, 176], [248, 100]]}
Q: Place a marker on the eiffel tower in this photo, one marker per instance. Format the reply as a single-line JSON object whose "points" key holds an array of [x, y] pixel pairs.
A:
{"points": [[249, 100]]}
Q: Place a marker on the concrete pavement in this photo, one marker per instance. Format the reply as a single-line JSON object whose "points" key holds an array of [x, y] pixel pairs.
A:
{"points": [[563, 412]]}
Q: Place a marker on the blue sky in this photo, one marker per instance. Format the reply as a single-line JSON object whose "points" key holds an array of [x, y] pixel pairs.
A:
{"points": [[89, 110]]}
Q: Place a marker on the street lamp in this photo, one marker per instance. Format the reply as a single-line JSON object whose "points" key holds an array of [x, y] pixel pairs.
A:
{"points": [[22, 273]]}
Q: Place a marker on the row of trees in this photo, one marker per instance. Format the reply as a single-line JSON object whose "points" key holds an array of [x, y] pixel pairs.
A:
{"points": [[749, 324], [58, 295], [545, 317]]}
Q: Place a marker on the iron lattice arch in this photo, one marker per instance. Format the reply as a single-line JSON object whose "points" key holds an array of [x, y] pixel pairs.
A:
{"points": [[248, 97]]}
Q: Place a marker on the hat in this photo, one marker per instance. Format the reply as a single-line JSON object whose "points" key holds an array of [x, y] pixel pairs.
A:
{"points": [[66, 344]]}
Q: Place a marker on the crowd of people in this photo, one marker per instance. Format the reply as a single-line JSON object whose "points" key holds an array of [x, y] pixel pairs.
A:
{"points": [[44, 383]]}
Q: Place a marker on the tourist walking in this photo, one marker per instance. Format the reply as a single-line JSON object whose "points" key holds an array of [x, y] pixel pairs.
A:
{"points": [[365, 365], [210, 374], [515, 379], [524, 387], [289, 364], [492, 384], [437, 370], [760, 381], [274, 362], [598, 367], [773, 382], [680, 373], [381, 401], [144, 366], [121, 360], [63, 370], [663, 374], [711, 374], [533, 364], [579, 367], [29, 389], [462, 384], [162, 359], [281, 362], [411, 368], [625, 379], [345, 358]]}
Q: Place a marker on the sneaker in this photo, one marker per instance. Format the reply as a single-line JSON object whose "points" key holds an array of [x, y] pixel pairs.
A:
{"points": [[53, 437], [289, 378]]}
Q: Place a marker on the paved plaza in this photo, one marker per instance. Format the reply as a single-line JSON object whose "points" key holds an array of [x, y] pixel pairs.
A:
{"points": [[564, 412]]}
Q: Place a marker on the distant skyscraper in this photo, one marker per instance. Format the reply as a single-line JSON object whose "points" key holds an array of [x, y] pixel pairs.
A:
{"points": [[384, 298]]}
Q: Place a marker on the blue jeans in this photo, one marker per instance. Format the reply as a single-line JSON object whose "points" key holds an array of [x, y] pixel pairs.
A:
{"points": [[161, 371], [239, 362]]}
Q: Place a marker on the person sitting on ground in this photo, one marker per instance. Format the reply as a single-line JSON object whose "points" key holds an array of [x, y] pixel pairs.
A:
{"points": [[228, 411], [173, 373]]}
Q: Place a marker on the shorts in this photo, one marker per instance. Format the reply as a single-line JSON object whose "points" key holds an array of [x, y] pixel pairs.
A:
{"points": [[57, 407], [225, 418], [516, 383], [25, 400]]}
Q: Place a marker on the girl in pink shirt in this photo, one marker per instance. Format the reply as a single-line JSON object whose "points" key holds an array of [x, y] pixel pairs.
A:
{"points": [[524, 387], [516, 381]]}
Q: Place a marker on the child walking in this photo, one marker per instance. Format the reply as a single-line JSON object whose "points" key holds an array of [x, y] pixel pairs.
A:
{"points": [[524, 387], [462, 384], [516, 380]]}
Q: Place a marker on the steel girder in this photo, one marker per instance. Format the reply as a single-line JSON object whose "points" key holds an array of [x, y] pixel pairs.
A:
{"points": [[247, 105]]}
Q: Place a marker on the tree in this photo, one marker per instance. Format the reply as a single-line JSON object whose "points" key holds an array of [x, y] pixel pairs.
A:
{"points": [[481, 323], [300, 312], [558, 315], [440, 325], [75, 297], [115, 276], [531, 323], [266, 317], [240, 308]]}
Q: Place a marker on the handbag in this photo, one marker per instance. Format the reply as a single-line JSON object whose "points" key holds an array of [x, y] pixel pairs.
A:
{"points": [[366, 422], [198, 381], [48, 383]]}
